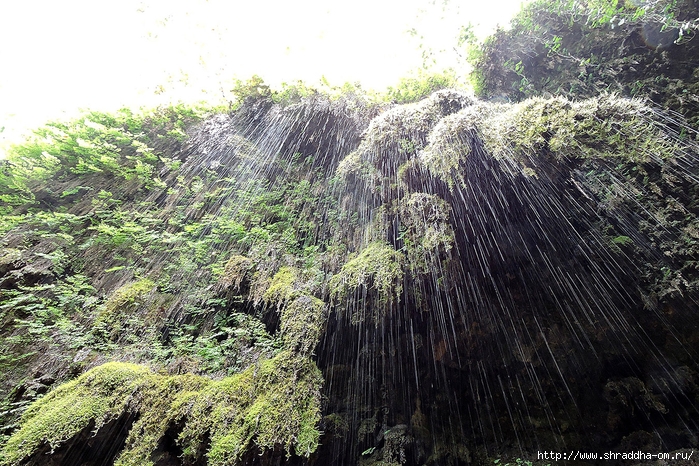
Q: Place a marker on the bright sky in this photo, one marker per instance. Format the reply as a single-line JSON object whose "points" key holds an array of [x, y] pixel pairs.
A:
{"points": [[59, 56]]}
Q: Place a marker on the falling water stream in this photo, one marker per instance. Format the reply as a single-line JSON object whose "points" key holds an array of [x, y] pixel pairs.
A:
{"points": [[495, 280], [516, 321]]}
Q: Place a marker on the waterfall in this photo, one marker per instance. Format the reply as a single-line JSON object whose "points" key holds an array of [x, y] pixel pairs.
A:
{"points": [[336, 281]]}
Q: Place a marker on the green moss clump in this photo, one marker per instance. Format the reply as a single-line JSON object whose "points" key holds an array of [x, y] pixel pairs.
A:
{"points": [[128, 295], [302, 323], [301, 314], [235, 272], [274, 403], [354, 168], [8, 256], [376, 271], [427, 234], [122, 304], [398, 134], [551, 130], [281, 289], [602, 127], [622, 240], [450, 143], [98, 396]]}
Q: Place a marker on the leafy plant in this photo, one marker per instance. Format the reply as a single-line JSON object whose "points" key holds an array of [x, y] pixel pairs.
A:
{"points": [[421, 85]]}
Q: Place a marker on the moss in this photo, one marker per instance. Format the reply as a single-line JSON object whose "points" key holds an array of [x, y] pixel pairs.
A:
{"points": [[337, 425], [565, 48], [427, 234], [128, 295], [622, 240], [281, 288], [450, 143], [301, 314], [98, 396], [123, 304], [378, 271], [236, 271], [9, 256], [274, 403], [551, 130], [302, 323], [603, 127], [398, 134], [354, 168], [153, 405]]}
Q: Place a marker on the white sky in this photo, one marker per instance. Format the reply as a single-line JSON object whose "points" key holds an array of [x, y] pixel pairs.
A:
{"points": [[59, 56]]}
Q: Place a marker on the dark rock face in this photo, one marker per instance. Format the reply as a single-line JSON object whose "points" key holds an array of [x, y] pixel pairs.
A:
{"points": [[536, 330]]}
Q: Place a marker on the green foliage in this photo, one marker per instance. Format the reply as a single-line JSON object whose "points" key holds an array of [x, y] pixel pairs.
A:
{"points": [[302, 322], [123, 304], [399, 134], [281, 289], [225, 248], [421, 85], [301, 314], [247, 330], [126, 235], [252, 89], [213, 233], [517, 462], [292, 93], [378, 271], [355, 168], [574, 48], [8, 222], [128, 295], [595, 13], [596, 128], [14, 175], [255, 89], [275, 403], [124, 144], [607, 127], [622, 240], [235, 271], [9, 256], [98, 396], [46, 313], [76, 190], [427, 235], [449, 144], [215, 341]]}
